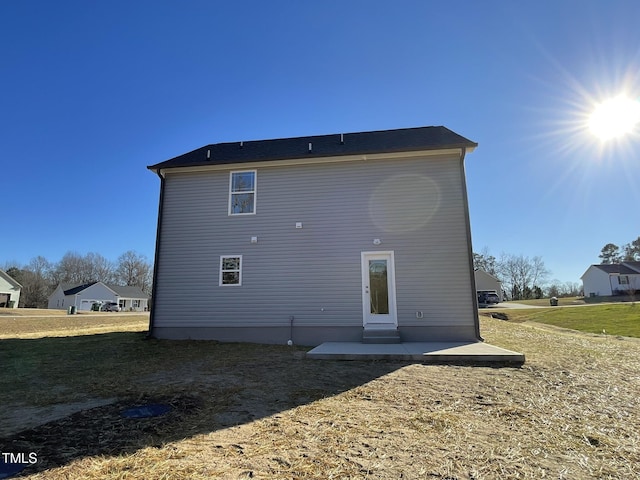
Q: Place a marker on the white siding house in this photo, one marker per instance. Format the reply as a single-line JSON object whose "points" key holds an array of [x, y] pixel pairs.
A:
{"points": [[9, 291], [84, 296], [314, 239], [611, 279]]}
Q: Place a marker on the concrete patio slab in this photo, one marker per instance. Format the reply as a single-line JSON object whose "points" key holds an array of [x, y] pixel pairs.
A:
{"points": [[445, 353]]}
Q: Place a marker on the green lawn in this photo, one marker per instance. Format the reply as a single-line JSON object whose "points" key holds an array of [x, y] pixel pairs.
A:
{"points": [[618, 319], [544, 302]]}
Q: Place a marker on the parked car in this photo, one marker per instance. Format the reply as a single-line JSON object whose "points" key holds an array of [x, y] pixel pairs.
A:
{"points": [[111, 307], [488, 298]]}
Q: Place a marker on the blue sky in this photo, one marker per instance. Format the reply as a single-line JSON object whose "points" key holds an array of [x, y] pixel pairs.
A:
{"points": [[94, 91]]}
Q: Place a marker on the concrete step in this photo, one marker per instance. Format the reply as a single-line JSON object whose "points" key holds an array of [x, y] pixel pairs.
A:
{"points": [[381, 336], [436, 353]]}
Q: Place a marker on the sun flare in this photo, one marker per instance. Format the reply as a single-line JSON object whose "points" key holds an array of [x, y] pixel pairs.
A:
{"points": [[615, 117]]}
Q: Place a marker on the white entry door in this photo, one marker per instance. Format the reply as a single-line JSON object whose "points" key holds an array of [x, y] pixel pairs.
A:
{"points": [[379, 290]]}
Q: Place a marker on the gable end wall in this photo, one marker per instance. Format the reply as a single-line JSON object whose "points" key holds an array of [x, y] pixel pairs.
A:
{"points": [[414, 206], [596, 282]]}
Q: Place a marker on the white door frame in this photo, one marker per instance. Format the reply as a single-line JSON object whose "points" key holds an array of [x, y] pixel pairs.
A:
{"points": [[373, 320]]}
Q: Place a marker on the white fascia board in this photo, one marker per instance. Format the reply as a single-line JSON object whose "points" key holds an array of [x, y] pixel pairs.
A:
{"points": [[317, 160]]}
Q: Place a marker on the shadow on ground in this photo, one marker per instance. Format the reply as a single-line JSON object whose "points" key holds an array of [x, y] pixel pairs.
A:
{"points": [[209, 386]]}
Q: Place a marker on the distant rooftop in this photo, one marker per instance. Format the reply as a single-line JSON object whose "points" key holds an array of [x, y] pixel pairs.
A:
{"points": [[121, 291], [626, 268]]}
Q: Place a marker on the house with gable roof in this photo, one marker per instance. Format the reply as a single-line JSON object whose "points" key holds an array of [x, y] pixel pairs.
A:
{"points": [[9, 291], [609, 279], [485, 282], [83, 297], [343, 237]]}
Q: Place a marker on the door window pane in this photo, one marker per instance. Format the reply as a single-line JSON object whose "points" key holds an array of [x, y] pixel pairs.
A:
{"points": [[378, 287]]}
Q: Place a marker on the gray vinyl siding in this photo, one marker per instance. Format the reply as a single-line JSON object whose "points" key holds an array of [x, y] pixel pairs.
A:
{"points": [[314, 273]]}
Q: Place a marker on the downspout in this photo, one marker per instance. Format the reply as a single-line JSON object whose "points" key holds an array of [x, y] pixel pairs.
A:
{"points": [[467, 219], [156, 257]]}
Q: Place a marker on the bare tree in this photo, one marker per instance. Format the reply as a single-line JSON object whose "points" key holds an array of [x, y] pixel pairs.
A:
{"points": [[566, 289], [35, 281], [485, 261], [571, 289], [40, 277], [76, 269], [99, 268], [539, 272], [554, 289], [522, 275], [41, 286], [134, 269], [70, 269]]}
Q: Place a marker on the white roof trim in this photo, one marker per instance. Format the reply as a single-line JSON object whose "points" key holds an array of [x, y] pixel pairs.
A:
{"points": [[315, 160]]}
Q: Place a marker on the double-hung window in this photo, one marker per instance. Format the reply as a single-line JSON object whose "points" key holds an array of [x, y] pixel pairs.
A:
{"points": [[242, 193], [230, 270]]}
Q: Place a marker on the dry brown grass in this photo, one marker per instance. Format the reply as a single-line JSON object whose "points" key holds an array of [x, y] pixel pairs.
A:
{"points": [[37, 323], [572, 411]]}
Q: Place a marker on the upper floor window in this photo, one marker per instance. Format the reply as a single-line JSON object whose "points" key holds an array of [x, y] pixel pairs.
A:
{"points": [[242, 193], [623, 280]]}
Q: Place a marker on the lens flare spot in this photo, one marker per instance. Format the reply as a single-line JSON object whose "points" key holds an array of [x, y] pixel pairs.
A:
{"points": [[404, 203]]}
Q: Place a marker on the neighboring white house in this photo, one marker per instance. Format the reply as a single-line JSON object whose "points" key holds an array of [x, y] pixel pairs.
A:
{"points": [[487, 282], [9, 291], [84, 296], [611, 279], [313, 239]]}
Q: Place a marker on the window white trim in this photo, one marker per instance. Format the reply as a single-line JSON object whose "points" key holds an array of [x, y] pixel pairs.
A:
{"points": [[254, 192], [223, 271]]}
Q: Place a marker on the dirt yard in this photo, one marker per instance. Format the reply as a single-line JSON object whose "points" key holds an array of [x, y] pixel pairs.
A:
{"points": [[572, 411]]}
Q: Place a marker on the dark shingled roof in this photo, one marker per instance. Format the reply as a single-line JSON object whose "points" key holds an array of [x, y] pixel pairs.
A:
{"points": [[72, 290], [634, 265], [121, 291], [362, 143], [128, 291], [617, 268]]}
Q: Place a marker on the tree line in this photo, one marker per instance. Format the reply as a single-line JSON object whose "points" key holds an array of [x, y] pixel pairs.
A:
{"points": [[39, 278], [522, 277], [629, 252]]}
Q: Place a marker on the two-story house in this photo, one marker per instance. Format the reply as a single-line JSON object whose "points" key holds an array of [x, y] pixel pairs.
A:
{"points": [[314, 239]]}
